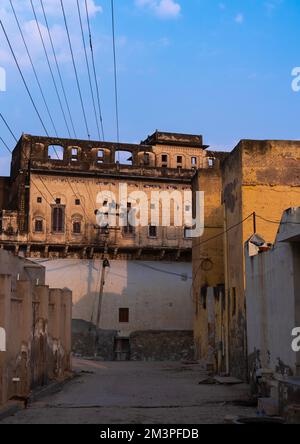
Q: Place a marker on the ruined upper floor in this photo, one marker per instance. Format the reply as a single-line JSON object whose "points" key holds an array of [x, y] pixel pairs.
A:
{"points": [[168, 151]]}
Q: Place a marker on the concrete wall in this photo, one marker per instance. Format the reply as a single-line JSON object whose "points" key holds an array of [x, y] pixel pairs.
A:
{"points": [[271, 314], [273, 299], [157, 294], [37, 323]]}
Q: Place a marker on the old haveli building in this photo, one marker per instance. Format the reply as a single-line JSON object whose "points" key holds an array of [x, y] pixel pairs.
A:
{"points": [[48, 208]]}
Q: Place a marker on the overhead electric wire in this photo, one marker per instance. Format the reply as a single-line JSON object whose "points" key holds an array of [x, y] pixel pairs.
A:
{"points": [[213, 238], [234, 226], [223, 232], [115, 69], [6, 146], [8, 127], [23, 78], [25, 156], [41, 179], [94, 69], [50, 68], [58, 69], [75, 69], [277, 222], [54, 82], [88, 68], [33, 68]]}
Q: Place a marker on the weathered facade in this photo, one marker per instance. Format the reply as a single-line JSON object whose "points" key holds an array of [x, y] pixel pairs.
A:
{"points": [[260, 177], [273, 314], [273, 299], [36, 324], [50, 214]]}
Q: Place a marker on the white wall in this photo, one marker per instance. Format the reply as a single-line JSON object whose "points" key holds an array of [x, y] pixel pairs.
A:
{"points": [[157, 295], [271, 305]]}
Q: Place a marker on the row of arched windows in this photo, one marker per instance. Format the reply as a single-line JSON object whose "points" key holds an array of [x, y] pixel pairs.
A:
{"points": [[123, 157]]}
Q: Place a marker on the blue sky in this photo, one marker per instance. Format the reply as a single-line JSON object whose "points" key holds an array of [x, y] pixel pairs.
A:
{"points": [[217, 68]]}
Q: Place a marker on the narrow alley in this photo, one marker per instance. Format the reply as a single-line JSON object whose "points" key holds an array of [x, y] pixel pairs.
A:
{"points": [[136, 393]]}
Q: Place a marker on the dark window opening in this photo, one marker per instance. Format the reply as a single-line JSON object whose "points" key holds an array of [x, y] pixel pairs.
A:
{"points": [[58, 201], [58, 220], [128, 230], [164, 160], [104, 230], [77, 202], [77, 227], [152, 231], [124, 315], [179, 159], [39, 200], [38, 226], [146, 159]]}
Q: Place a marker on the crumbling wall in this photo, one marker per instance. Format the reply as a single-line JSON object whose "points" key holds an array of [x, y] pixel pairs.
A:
{"points": [[208, 271], [161, 346], [87, 341], [37, 322]]}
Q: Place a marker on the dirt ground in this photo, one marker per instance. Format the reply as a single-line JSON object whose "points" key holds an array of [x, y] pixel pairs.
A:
{"points": [[136, 393]]}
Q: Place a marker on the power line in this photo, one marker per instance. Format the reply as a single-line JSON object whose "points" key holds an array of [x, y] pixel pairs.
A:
{"points": [[50, 68], [277, 222], [224, 232], [8, 127], [25, 155], [33, 68], [161, 270], [75, 69], [115, 69], [55, 85], [213, 238], [88, 68], [6, 146], [23, 78], [58, 68], [94, 69]]}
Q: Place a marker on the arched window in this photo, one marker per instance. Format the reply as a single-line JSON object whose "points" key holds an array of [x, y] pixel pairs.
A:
{"points": [[100, 156], [76, 227], [38, 225], [179, 161], [56, 152], [58, 219], [74, 154], [123, 157], [77, 224], [164, 160]]}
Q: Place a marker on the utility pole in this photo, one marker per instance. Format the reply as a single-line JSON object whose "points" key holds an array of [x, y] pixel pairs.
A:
{"points": [[105, 265]]}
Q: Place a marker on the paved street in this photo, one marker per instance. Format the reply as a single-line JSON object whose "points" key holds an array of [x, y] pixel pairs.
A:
{"points": [[135, 393]]}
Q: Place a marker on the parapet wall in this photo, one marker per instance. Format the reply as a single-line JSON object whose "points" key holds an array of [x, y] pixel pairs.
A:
{"points": [[37, 325]]}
